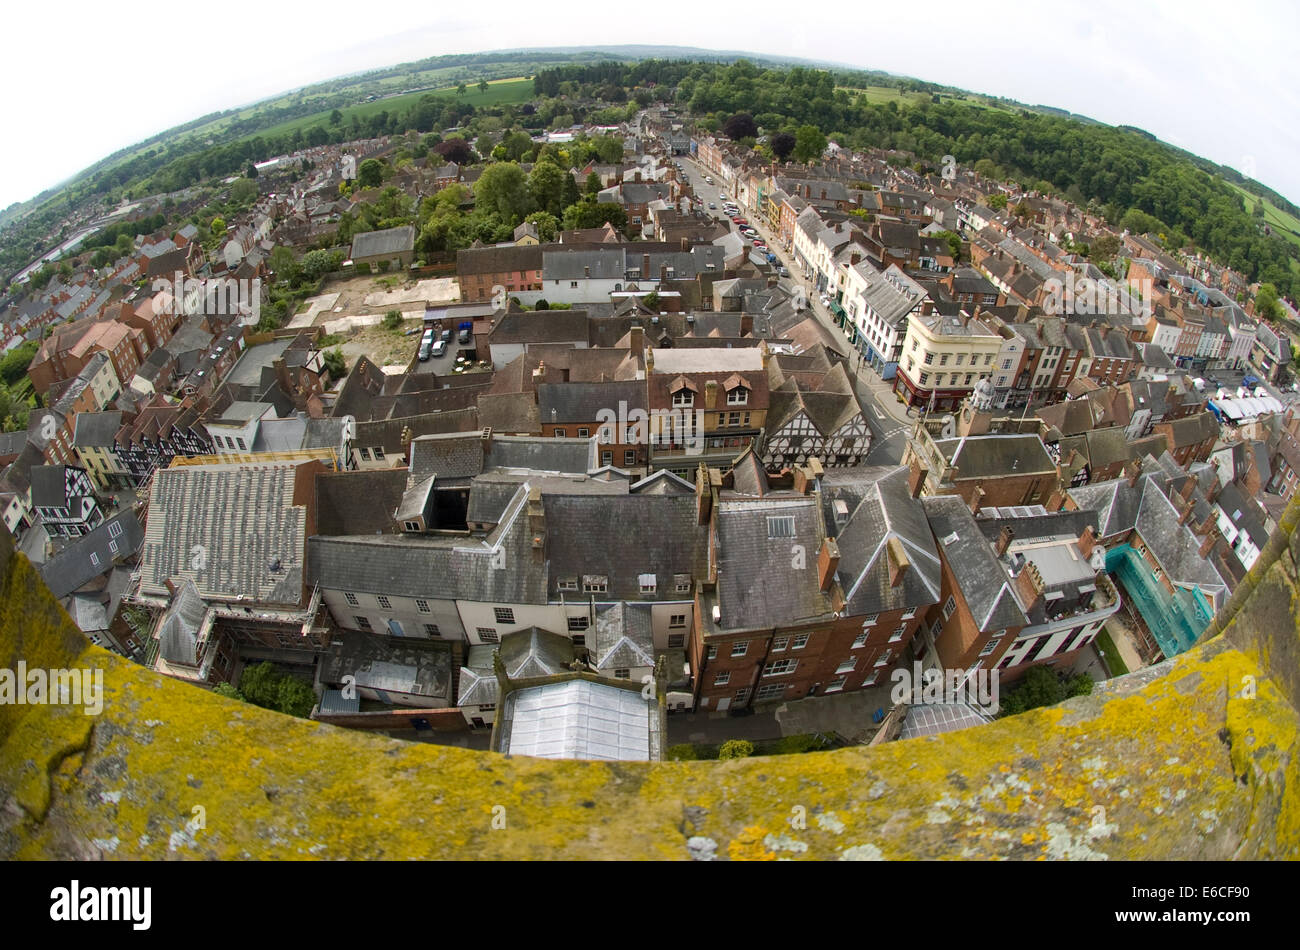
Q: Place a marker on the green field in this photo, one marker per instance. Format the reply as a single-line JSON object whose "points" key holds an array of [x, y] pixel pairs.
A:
{"points": [[879, 95], [1281, 222], [499, 92]]}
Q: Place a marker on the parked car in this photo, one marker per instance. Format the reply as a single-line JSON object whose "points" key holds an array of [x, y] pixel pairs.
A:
{"points": [[1249, 381], [426, 344], [438, 349], [783, 271], [708, 180], [446, 336], [465, 335]]}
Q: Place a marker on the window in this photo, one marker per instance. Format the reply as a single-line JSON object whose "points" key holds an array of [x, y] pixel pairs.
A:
{"points": [[559, 434], [682, 583], [579, 623], [488, 634], [846, 666], [411, 525], [943, 360], [884, 658], [991, 646], [242, 447], [114, 529], [742, 694], [722, 679], [422, 606], [898, 634], [584, 432], [568, 583], [948, 608], [629, 457], [859, 641], [1006, 364], [740, 648], [683, 397], [969, 377], [733, 419], [780, 667], [677, 620], [676, 640], [606, 458], [504, 614], [738, 396], [352, 599], [649, 583], [94, 559], [924, 380], [771, 691], [779, 644], [800, 641], [383, 602], [909, 613], [622, 674], [431, 629], [363, 622], [780, 526], [961, 358], [836, 684], [579, 640], [379, 454], [595, 583], [929, 359], [988, 358]]}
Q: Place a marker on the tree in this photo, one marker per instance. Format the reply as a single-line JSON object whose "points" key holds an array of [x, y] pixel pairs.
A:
{"points": [[229, 691], [316, 264], [954, 242], [218, 225], [736, 749], [260, 685], [484, 144], [335, 363], [546, 185], [1104, 248], [1043, 686], [516, 145], [1023, 210], [809, 143], [371, 173], [592, 214], [548, 225], [593, 185], [651, 300], [782, 144], [294, 697], [740, 126], [250, 170], [336, 117], [503, 189], [455, 150], [243, 191], [998, 201], [461, 88], [1266, 303], [393, 320], [284, 265], [482, 85]]}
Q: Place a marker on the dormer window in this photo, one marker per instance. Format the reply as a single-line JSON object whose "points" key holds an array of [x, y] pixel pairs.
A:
{"points": [[683, 397], [738, 396]]}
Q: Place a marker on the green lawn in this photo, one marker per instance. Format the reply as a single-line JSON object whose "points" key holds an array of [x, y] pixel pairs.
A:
{"points": [[1110, 653], [1282, 222]]}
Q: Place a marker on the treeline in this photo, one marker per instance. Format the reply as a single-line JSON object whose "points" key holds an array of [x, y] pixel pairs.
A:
{"points": [[1122, 173]]}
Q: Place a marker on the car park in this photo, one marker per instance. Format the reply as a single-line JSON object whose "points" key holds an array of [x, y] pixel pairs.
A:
{"points": [[426, 345], [712, 206], [465, 335], [438, 349]]}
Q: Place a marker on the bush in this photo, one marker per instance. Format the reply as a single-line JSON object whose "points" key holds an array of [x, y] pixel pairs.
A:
{"points": [[229, 691], [393, 320], [681, 753], [541, 304], [736, 749]]}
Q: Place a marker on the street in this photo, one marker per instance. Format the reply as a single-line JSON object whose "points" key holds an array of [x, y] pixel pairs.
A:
{"points": [[886, 417]]}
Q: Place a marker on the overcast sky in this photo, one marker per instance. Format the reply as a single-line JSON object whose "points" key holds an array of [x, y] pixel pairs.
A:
{"points": [[86, 79]]}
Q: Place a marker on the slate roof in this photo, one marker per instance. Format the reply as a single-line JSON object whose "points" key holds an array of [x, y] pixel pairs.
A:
{"points": [[877, 506], [622, 537], [178, 631], [757, 584], [95, 429], [413, 665], [996, 456], [567, 403], [234, 530], [524, 654], [624, 637], [72, 568], [387, 242], [978, 572], [361, 502]]}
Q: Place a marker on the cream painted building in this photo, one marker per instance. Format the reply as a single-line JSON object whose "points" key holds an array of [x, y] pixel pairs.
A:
{"points": [[943, 358]]}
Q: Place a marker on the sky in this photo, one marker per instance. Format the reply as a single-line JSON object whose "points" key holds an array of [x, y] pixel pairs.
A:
{"points": [[1221, 81]]}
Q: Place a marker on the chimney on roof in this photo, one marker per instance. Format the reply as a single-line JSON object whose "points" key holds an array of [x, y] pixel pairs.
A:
{"points": [[976, 498], [703, 494], [486, 439], [1211, 539], [916, 478], [828, 562], [1087, 541], [1029, 584], [898, 561], [663, 272], [1005, 537], [636, 339], [1186, 515], [686, 244], [1134, 470], [645, 266], [710, 394]]}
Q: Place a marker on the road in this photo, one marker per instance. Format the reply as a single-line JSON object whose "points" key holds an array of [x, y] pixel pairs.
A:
{"points": [[886, 417]]}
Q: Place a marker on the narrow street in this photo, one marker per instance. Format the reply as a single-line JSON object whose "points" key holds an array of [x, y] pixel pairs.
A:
{"points": [[887, 418]]}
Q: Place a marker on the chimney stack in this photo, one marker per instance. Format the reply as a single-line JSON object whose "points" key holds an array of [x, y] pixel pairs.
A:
{"points": [[1211, 539], [1087, 541], [710, 394], [1186, 515], [916, 478], [486, 439], [703, 494], [898, 561], [828, 562], [636, 339], [1134, 469], [663, 272], [976, 497], [1029, 582], [645, 266], [686, 245], [1005, 537]]}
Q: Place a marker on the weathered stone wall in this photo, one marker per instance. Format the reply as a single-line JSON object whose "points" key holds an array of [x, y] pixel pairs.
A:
{"points": [[1195, 758]]}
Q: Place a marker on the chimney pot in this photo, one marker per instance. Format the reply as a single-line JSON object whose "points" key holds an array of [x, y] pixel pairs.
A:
{"points": [[1005, 537]]}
